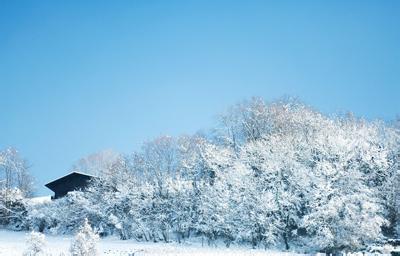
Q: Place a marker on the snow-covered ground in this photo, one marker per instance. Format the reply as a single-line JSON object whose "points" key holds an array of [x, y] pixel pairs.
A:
{"points": [[13, 244]]}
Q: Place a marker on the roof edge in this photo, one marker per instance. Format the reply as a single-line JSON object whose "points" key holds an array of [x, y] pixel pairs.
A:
{"points": [[81, 173]]}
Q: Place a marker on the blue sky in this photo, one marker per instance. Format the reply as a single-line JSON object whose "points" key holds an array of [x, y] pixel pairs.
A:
{"points": [[77, 77]]}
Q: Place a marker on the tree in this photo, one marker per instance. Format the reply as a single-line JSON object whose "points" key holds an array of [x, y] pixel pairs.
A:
{"points": [[243, 122], [14, 172], [13, 209], [36, 243], [98, 164], [84, 243], [389, 190], [344, 210]]}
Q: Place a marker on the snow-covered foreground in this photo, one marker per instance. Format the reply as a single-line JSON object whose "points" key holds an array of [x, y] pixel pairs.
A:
{"points": [[13, 244]]}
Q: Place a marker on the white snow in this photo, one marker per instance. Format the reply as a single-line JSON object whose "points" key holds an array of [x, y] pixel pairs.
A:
{"points": [[13, 244], [39, 200]]}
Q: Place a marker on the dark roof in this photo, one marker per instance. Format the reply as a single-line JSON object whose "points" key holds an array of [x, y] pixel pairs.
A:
{"points": [[54, 185]]}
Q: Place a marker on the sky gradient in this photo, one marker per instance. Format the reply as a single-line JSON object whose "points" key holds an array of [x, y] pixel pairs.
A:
{"points": [[78, 77]]}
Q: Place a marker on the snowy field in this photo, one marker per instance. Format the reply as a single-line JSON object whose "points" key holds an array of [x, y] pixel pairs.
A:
{"points": [[13, 244]]}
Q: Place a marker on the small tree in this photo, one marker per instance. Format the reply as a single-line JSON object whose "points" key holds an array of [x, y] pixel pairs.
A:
{"points": [[35, 244], [84, 243]]}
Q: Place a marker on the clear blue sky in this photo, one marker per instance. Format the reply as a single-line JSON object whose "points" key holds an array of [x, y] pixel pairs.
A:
{"points": [[77, 77]]}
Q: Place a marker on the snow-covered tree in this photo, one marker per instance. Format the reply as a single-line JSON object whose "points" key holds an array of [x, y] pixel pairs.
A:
{"points": [[84, 242], [36, 243], [14, 172], [13, 209], [344, 209], [98, 164]]}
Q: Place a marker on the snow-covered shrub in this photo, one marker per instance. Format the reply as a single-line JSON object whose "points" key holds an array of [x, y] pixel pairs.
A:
{"points": [[35, 244], [64, 215], [84, 242]]}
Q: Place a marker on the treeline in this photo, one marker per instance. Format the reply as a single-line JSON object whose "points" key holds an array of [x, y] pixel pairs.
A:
{"points": [[277, 174]]}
